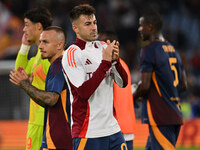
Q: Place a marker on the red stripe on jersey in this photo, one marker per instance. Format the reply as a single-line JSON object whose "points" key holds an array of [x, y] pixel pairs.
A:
{"points": [[68, 55], [56, 66], [85, 124], [102, 42], [73, 57]]}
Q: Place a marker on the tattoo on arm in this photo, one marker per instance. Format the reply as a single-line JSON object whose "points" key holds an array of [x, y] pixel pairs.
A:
{"points": [[39, 96]]}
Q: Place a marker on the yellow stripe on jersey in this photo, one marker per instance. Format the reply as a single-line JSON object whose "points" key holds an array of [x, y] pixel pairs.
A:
{"points": [[162, 140], [64, 101], [156, 83], [82, 144], [48, 136]]}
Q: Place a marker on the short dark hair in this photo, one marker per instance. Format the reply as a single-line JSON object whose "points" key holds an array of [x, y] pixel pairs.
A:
{"points": [[41, 15], [83, 9], [153, 17], [58, 30]]}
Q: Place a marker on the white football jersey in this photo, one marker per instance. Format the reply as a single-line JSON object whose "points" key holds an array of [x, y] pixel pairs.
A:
{"points": [[90, 80]]}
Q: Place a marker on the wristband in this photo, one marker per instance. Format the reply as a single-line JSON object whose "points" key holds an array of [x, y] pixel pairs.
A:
{"points": [[24, 49]]}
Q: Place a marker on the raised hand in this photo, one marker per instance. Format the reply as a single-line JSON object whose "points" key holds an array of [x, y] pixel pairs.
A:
{"points": [[108, 51], [25, 41], [17, 76], [115, 54]]}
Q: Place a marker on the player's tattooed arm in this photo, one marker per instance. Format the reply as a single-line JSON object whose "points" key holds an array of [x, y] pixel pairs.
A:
{"points": [[20, 78], [39, 96]]}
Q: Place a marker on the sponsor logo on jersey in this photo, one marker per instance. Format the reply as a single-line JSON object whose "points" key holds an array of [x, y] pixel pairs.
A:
{"points": [[88, 62]]}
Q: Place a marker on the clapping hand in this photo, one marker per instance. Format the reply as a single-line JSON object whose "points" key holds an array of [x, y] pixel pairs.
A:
{"points": [[111, 53], [19, 75]]}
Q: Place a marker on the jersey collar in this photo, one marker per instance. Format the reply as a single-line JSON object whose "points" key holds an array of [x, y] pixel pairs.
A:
{"points": [[80, 43]]}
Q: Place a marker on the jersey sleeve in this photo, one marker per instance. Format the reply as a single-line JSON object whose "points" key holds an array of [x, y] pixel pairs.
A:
{"points": [[55, 79], [72, 66], [22, 61], [147, 60], [120, 75], [74, 71]]}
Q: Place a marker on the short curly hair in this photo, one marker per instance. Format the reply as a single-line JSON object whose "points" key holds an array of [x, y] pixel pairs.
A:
{"points": [[151, 16], [83, 9], [41, 15]]}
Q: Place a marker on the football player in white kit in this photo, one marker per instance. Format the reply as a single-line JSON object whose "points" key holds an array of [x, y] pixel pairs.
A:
{"points": [[90, 67]]}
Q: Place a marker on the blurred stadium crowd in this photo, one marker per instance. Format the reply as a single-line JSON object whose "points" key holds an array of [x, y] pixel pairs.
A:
{"points": [[181, 27]]}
